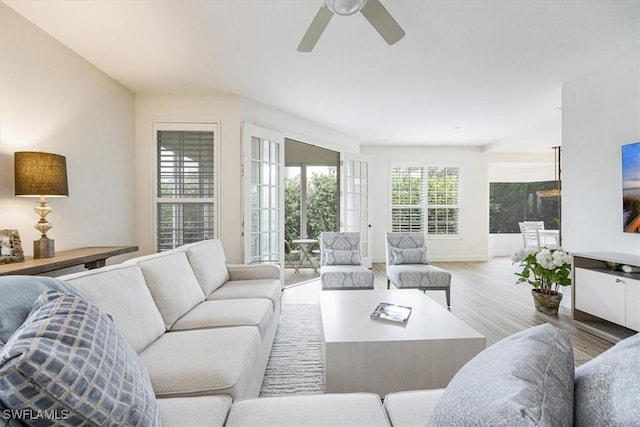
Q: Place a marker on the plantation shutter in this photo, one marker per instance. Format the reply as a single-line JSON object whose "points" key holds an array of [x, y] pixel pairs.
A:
{"points": [[443, 201], [185, 187], [407, 198]]}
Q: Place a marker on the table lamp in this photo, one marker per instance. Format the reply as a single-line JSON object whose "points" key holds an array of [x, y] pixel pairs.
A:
{"points": [[41, 175]]}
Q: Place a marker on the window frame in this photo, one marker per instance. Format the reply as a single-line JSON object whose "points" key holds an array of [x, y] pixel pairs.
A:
{"points": [[215, 200], [426, 206], [421, 206], [457, 205]]}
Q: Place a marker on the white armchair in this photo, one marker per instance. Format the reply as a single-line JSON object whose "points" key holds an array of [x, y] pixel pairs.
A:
{"points": [[408, 267], [340, 262]]}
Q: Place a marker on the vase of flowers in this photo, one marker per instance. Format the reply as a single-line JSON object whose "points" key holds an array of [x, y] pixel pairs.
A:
{"points": [[546, 270]]}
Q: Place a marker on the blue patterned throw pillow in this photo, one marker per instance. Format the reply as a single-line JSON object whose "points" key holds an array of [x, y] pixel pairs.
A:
{"points": [[607, 388], [409, 256], [342, 257], [525, 379], [68, 365]]}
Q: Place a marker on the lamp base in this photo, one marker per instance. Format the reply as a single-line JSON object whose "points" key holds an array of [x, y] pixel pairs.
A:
{"points": [[44, 248]]}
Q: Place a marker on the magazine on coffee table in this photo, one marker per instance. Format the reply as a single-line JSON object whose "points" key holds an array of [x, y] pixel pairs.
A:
{"points": [[392, 312]]}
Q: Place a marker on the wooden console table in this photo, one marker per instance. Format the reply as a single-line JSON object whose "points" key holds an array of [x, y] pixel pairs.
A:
{"points": [[91, 257]]}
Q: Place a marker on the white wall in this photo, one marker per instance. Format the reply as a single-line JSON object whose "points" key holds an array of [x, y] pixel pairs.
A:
{"points": [[521, 167], [297, 128], [472, 244], [230, 111], [601, 112], [52, 100], [221, 108]]}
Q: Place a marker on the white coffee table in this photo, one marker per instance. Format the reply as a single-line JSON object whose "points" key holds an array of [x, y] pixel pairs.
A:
{"points": [[363, 354]]}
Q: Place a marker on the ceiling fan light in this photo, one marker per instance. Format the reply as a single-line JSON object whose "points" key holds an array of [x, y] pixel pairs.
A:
{"points": [[345, 7]]}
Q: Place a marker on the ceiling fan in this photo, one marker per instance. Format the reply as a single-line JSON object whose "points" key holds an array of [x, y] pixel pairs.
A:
{"points": [[373, 11]]}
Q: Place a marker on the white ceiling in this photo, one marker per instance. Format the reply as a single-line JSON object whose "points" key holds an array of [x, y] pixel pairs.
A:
{"points": [[482, 73]]}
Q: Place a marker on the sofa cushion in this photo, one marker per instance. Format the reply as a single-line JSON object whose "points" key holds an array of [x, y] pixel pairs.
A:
{"points": [[208, 263], [121, 292], [172, 283], [336, 410], [201, 411], [253, 271], [204, 362], [418, 276], [523, 380], [231, 312], [607, 388], [411, 408], [18, 295], [346, 277], [258, 288], [341, 257], [69, 359], [409, 256]]}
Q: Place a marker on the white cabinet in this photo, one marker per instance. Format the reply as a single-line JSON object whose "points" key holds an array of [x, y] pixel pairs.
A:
{"points": [[606, 301], [601, 295], [633, 304]]}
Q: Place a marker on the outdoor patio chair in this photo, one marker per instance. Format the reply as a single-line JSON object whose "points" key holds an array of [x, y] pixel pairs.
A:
{"points": [[408, 267], [340, 262], [291, 257], [530, 233]]}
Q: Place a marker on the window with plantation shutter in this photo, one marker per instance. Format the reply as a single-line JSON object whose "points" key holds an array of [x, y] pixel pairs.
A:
{"points": [[185, 192], [443, 201], [425, 199], [407, 198]]}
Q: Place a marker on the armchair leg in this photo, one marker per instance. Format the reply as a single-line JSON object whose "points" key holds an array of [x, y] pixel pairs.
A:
{"points": [[448, 294], [388, 283]]}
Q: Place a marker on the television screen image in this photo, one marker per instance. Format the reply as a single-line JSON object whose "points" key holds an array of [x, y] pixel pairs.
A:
{"points": [[631, 187]]}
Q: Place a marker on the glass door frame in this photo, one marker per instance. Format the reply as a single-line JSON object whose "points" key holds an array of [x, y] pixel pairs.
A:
{"points": [[356, 200], [249, 133]]}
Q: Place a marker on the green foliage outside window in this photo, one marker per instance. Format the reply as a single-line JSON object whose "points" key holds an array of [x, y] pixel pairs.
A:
{"points": [[513, 202], [322, 205]]}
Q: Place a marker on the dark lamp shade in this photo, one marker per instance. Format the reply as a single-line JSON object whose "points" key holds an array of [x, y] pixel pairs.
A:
{"points": [[40, 174]]}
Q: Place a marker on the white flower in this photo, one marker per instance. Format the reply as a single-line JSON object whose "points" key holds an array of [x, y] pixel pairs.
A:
{"points": [[561, 258], [519, 255], [545, 259], [522, 254]]}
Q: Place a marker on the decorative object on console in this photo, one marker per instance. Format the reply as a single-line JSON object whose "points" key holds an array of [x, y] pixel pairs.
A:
{"points": [[41, 175], [546, 270], [10, 247]]}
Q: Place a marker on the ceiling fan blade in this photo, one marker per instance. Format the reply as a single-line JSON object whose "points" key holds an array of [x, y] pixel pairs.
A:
{"points": [[382, 21], [315, 29]]}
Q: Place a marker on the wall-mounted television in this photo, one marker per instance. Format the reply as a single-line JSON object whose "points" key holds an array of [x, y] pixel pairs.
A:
{"points": [[631, 188]]}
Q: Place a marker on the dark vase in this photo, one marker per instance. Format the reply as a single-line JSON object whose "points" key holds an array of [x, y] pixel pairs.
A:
{"points": [[546, 303]]}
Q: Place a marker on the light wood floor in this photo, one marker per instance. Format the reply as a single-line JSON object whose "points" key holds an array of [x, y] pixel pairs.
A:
{"points": [[484, 295]]}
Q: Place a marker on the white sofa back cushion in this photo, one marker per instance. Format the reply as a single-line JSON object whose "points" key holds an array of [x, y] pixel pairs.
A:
{"points": [[172, 283], [136, 316], [208, 263]]}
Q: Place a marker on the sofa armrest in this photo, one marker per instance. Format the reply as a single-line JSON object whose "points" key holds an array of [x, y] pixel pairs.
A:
{"points": [[253, 271]]}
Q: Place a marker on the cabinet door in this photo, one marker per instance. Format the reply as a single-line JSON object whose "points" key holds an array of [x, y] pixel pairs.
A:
{"points": [[600, 294], [633, 303]]}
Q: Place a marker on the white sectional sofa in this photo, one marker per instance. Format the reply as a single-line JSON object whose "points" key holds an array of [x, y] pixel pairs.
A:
{"points": [[192, 337], [183, 309]]}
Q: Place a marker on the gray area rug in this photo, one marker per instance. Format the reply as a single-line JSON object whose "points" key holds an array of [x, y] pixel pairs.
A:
{"points": [[296, 363]]}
